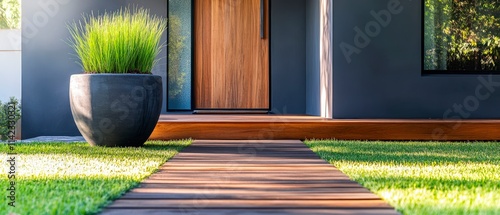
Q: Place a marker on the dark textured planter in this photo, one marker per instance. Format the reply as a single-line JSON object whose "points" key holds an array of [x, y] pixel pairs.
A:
{"points": [[116, 109]]}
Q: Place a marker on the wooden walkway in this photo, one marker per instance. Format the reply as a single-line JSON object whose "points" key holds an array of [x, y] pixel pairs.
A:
{"points": [[248, 177]]}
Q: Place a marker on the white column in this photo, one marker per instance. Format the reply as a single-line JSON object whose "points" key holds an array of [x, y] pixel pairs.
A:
{"points": [[326, 58]]}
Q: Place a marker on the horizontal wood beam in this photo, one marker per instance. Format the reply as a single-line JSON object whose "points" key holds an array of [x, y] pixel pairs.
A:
{"points": [[377, 129]]}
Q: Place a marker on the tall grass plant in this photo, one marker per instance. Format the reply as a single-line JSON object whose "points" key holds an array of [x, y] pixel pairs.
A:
{"points": [[125, 41]]}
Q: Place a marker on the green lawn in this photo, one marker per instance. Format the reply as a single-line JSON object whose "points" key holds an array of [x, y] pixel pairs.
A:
{"points": [[74, 178], [422, 177]]}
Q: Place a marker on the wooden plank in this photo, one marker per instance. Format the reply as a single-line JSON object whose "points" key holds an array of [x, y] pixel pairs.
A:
{"points": [[251, 143], [247, 171], [251, 194], [256, 143], [241, 157], [246, 150], [325, 166], [219, 159], [243, 179], [249, 204], [258, 185], [247, 168], [167, 180], [251, 152], [237, 117], [251, 190], [247, 156], [240, 143], [284, 148], [222, 178], [237, 171], [203, 161], [284, 118], [210, 185], [205, 211], [306, 127]]}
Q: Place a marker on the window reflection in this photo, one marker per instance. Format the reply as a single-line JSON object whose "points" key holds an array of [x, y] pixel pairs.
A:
{"points": [[179, 55], [462, 35]]}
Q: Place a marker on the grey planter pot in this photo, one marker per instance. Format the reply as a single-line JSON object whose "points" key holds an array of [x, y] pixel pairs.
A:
{"points": [[116, 109]]}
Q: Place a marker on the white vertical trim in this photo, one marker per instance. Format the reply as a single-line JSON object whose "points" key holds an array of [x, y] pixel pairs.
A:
{"points": [[10, 60], [326, 58]]}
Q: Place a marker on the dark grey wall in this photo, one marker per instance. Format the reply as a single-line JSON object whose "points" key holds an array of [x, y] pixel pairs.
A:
{"points": [[48, 65], [312, 58], [384, 79], [288, 56]]}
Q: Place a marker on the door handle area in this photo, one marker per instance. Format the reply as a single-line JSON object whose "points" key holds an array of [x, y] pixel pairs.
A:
{"points": [[262, 21]]}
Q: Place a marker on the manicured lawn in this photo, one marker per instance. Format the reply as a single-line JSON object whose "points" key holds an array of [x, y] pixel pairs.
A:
{"points": [[422, 177], [74, 178]]}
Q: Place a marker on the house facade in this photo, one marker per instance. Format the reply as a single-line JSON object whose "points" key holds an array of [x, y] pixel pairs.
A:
{"points": [[341, 59]]}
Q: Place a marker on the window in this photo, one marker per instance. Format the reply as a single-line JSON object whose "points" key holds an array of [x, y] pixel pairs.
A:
{"points": [[179, 55], [461, 36]]}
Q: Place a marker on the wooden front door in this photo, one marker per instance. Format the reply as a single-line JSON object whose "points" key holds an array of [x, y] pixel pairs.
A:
{"points": [[231, 62]]}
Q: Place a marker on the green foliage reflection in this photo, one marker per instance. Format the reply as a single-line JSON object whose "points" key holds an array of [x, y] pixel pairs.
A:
{"points": [[176, 77], [462, 35], [10, 14]]}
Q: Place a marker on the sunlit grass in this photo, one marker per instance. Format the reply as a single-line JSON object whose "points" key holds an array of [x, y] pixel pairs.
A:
{"points": [[422, 177], [75, 178]]}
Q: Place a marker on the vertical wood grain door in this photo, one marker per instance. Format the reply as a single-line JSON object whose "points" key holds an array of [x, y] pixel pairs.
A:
{"points": [[231, 57]]}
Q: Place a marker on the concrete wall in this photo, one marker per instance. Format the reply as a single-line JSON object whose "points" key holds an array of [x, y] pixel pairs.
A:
{"points": [[10, 60], [48, 64], [312, 57], [288, 56], [383, 78]]}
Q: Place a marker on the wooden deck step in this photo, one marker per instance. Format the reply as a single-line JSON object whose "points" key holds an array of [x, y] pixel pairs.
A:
{"points": [[278, 177], [177, 211], [279, 127]]}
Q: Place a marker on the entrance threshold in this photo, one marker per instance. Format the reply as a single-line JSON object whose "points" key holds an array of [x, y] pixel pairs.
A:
{"points": [[230, 112]]}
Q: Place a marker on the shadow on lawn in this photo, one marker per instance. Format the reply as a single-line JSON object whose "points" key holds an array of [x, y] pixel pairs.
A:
{"points": [[83, 148], [407, 158], [67, 196], [442, 184]]}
